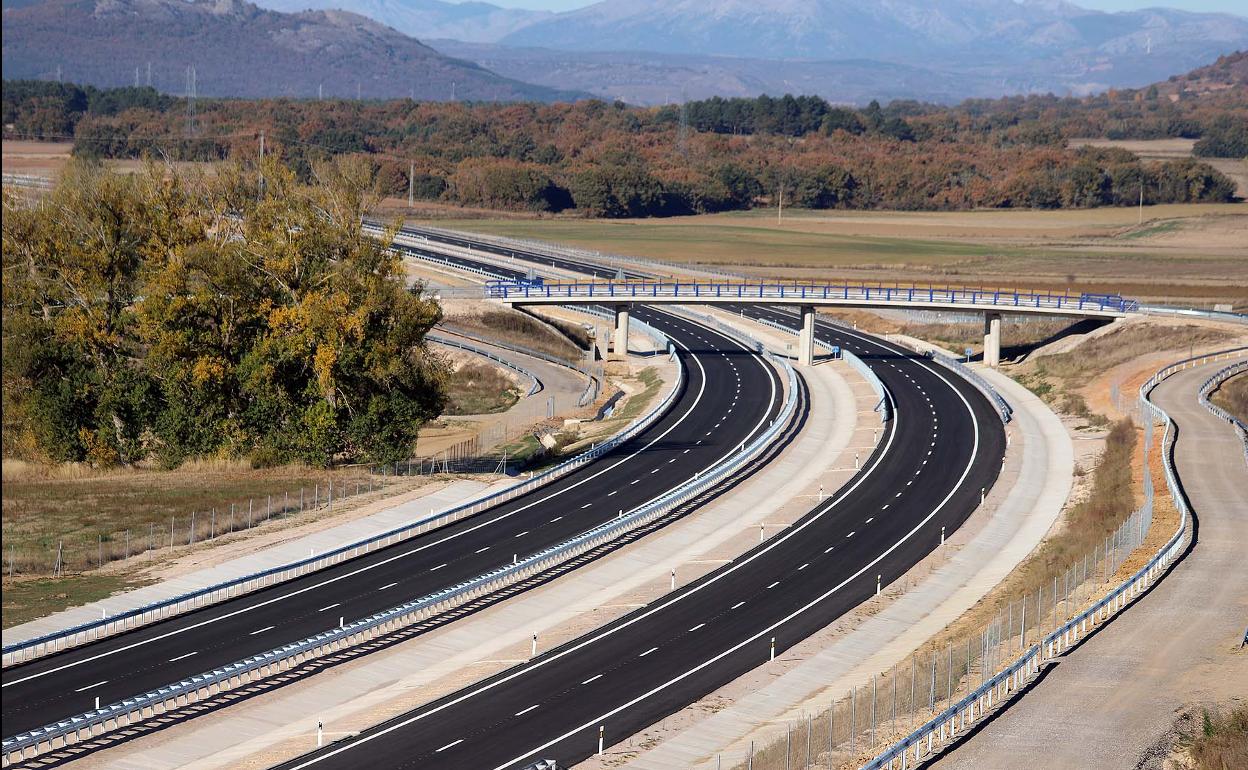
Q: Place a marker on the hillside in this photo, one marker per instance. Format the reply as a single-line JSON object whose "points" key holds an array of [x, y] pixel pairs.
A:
{"points": [[913, 31], [471, 22], [238, 49]]}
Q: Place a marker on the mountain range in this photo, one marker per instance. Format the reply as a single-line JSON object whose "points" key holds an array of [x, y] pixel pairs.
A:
{"points": [[651, 51], [640, 51], [239, 49]]}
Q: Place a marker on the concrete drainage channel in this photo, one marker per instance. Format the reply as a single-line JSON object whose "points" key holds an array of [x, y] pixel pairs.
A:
{"points": [[952, 724], [136, 710]]}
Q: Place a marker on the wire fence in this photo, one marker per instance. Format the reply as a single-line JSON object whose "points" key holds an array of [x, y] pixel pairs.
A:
{"points": [[57, 555], [939, 678], [893, 703]]}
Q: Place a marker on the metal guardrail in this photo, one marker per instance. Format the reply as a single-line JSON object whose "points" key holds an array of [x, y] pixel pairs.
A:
{"points": [[56, 641], [212, 683], [599, 259], [606, 291], [28, 180], [1185, 312], [447, 341], [1003, 407], [591, 388], [1211, 384], [939, 732]]}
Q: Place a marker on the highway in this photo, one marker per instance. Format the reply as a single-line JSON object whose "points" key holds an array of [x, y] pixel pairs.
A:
{"points": [[943, 447], [730, 395]]}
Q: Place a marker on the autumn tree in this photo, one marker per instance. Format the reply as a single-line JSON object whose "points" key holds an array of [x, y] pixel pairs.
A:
{"points": [[163, 316]]}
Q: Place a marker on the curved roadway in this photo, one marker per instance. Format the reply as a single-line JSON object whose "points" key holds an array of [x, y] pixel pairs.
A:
{"points": [[710, 418], [944, 445]]}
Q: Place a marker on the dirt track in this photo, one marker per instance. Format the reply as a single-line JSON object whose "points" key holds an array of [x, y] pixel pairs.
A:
{"points": [[1111, 700]]}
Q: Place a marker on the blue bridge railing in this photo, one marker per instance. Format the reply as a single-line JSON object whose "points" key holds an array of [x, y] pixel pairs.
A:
{"points": [[797, 292]]}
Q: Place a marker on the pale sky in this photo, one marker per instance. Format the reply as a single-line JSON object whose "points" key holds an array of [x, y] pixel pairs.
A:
{"points": [[1239, 7]]}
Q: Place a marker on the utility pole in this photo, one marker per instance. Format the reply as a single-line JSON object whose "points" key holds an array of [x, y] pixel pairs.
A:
{"points": [[357, 90], [1141, 196], [411, 183], [149, 74], [780, 211], [261, 166], [136, 77], [320, 91], [682, 133]]}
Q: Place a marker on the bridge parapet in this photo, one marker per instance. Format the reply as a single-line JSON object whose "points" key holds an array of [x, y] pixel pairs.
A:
{"points": [[668, 292]]}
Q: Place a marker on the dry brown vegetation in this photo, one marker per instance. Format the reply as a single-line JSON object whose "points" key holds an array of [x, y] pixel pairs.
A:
{"points": [[1232, 396], [44, 505], [1220, 742], [516, 328], [479, 388]]}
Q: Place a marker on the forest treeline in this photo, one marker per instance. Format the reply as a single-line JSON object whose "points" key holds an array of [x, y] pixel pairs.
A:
{"points": [[158, 316], [612, 160]]}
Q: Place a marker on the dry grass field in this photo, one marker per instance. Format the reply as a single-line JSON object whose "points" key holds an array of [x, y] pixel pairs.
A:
{"points": [[1193, 255]]}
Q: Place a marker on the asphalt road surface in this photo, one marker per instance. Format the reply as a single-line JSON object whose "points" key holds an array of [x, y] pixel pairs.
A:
{"points": [[943, 447], [730, 395]]}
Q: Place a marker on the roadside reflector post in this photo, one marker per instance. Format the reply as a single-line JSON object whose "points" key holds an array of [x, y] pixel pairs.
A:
{"points": [[942, 535], [673, 579], [877, 584], [320, 734], [602, 729], [856, 466], [760, 531], [773, 648], [533, 651], [97, 703]]}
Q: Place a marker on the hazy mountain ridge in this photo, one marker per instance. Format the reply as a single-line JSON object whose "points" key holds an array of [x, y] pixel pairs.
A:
{"points": [[471, 22], [911, 31], [238, 49]]}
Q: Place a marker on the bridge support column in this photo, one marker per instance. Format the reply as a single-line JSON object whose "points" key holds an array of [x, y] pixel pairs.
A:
{"points": [[992, 339], [806, 337], [621, 331]]}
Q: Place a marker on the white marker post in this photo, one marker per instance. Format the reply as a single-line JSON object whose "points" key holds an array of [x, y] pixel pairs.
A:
{"points": [[320, 734], [760, 531], [602, 729], [942, 535], [773, 648], [673, 579], [533, 651], [877, 585]]}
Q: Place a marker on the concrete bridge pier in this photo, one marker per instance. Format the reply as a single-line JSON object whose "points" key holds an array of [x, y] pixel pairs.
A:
{"points": [[621, 331], [806, 338], [992, 339]]}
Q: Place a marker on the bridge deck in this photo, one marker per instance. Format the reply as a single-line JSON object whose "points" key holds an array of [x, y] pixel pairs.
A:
{"points": [[859, 295]]}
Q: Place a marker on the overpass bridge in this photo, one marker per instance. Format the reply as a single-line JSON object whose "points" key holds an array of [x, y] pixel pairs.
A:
{"points": [[993, 303]]}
